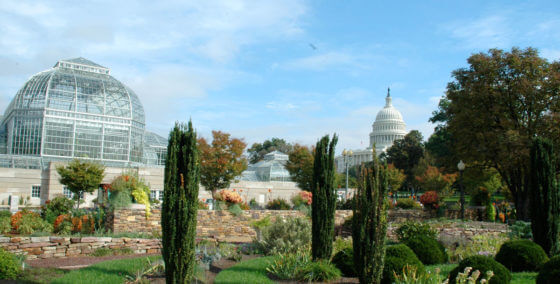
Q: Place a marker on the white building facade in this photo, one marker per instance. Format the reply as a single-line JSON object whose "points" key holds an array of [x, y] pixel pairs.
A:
{"points": [[388, 127]]}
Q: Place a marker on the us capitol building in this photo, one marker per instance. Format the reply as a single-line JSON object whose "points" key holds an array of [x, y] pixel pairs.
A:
{"points": [[388, 127]]}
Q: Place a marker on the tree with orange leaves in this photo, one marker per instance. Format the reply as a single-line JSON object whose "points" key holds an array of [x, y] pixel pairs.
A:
{"points": [[434, 179], [221, 161]]}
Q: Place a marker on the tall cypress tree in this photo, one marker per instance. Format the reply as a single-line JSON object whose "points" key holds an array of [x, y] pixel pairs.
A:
{"points": [[545, 196], [324, 198], [180, 204], [369, 222]]}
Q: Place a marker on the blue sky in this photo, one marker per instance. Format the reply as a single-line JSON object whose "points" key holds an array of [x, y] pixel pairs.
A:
{"points": [[261, 69]]}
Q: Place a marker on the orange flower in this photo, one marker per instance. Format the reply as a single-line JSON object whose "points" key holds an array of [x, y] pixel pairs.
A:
{"points": [[269, 190], [502, 217]]}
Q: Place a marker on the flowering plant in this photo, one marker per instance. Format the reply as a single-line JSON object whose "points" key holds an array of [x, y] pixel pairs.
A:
{"points": [[230, 196], [430, 199]]}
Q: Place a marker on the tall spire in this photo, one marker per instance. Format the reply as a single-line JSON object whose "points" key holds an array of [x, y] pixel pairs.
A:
{"points": [[388, 99]]}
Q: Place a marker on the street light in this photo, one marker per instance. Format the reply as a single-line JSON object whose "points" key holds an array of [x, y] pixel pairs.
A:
{"points": [[461, 167], [347, 156]]}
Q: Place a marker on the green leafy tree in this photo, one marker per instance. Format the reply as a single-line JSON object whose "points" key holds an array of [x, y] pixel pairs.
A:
{"points": [[258, 150], [300, 166], [545, 196], [221, 161], [324, 198], [406, 153], [496, 106], [369, 223], [81, 177], [180, 204], [440, 143]]}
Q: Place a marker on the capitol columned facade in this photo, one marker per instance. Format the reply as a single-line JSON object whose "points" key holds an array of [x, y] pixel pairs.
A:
{"points": [[388, 127]]}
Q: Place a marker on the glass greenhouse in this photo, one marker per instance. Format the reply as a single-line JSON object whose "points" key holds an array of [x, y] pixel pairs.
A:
{"points": [[271, 168], [77, 110]]}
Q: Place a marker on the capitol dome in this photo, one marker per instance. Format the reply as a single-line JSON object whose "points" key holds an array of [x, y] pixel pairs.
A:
{"points": [[75, 110], [388, 127]]}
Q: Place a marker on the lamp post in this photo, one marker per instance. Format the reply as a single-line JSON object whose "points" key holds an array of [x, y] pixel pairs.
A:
{"points": [[347, 156], [461, 167]]}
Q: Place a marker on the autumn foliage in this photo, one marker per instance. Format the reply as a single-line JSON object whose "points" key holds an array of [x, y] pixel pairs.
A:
{"points": [[430, 199], [434, 179]]}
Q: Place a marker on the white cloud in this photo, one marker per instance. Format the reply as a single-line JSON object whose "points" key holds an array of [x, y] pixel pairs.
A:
{"points": [[481, 33]]}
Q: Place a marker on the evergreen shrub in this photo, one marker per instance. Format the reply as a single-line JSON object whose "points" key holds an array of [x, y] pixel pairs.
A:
{"points": [[9, 265], [412, 229], [521, 255], [397, 257], [344, 261], [286, 236], [550, 271], [428, 250], [483, 264]]}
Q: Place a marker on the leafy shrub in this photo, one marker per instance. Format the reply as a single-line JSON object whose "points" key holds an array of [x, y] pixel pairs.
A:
{"points": [[235, 210], [26, 222], [341, 244], [411, 229], [428, 250], [202, 205], [407, 203], [520, 230], [5, 226], [318, 271], [278, 204], [229, 251], [9, 265], [286, 236], [397, 257], [120, 199], [254, 204], [550, 271], [430, 199], [286, 266], [303, 198], [62, 225], [482, 264], [347, 204], [490, 212], [344, 261], [244, 206], [5, 214], [56, 207], [410, 275], [521, 255]]}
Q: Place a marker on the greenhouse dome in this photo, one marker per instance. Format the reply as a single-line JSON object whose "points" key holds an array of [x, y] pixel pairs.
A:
{"points": [[77, 110]]}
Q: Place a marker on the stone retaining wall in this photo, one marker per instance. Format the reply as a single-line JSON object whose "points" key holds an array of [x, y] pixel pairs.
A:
{"points": [[224, 226], [49, 247]]}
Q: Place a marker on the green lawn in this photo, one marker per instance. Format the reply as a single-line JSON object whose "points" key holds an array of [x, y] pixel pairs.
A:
{"points": [[246, 272], [114, 271]]}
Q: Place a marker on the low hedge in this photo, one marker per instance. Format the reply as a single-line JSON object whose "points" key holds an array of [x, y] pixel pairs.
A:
{"points": [[396, 258], [9, 265], [521, 255], [550, 271], [483, 264], [428, 250]]}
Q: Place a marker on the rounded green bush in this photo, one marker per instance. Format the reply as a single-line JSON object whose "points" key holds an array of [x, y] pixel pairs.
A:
{"points": [[550, 271], [428, 250], [396, 258], [318, 271], [344, 260], [521, 255], [9, 266], [483, 264]]}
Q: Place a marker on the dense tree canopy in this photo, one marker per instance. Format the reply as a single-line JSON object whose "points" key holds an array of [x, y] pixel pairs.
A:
{"points": [[81, 176], [258, 150], [300, 166], [405, 154], [496, 106], [221, 161]]}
